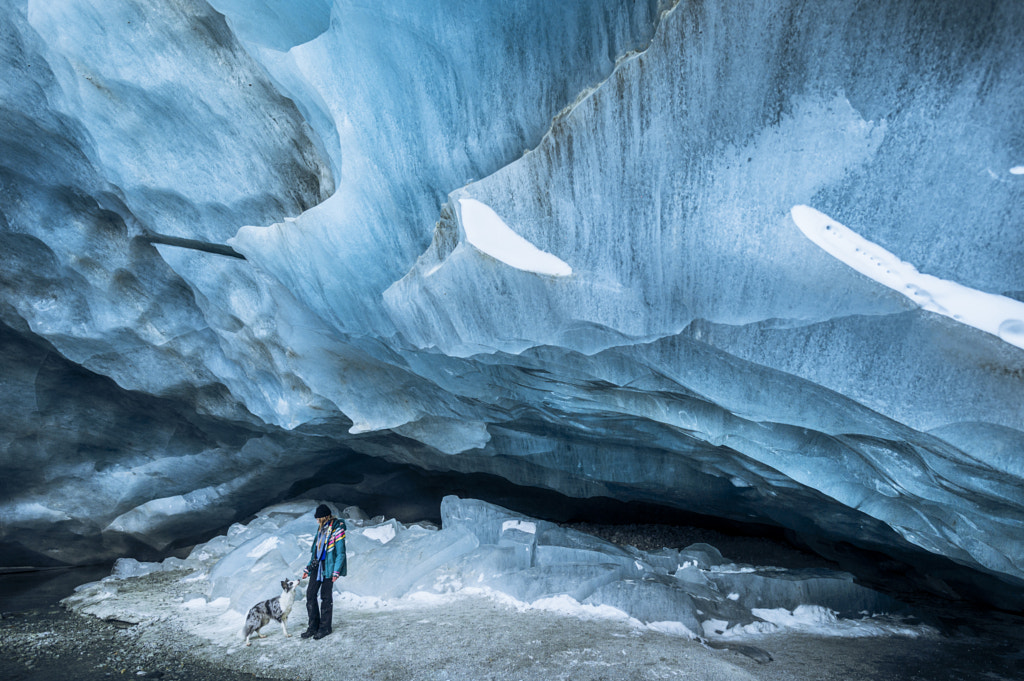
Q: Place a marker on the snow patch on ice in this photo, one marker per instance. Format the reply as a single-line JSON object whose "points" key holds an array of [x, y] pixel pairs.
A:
{"points": [[998, 315], [489, 233], [562, 605], [357, 602], [569, 607], [815, 619], [733, 569], [382, 533], [672, 628], [1017, 170], [521, 525], [125, 568]]}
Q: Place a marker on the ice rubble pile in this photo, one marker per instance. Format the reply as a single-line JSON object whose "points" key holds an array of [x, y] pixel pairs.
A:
{"points": [[483, 548]]}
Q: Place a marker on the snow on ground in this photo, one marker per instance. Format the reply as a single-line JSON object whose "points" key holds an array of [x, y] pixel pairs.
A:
{"points": [[485, 553], [494, 594], [814, 619], [998, 315]]}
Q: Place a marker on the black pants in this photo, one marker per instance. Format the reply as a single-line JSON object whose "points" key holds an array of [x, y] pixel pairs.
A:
{"points": [[320, 617]]}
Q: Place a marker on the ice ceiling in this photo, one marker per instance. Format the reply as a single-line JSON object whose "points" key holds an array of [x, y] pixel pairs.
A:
{"points": [[603, 247]]}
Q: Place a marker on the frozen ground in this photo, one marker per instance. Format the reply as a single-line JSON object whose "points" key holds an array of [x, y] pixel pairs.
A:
{"points": [[472, 638], [165, 620]]}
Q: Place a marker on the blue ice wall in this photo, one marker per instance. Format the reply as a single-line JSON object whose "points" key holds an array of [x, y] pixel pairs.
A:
{"points": [[703, 353]]}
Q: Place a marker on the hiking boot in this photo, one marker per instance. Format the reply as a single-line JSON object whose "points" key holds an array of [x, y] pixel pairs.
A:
{"points": [[320, 634], [308, 633]]}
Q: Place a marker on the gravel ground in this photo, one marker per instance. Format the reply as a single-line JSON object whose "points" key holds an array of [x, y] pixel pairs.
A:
{"points": [[474, 637]]}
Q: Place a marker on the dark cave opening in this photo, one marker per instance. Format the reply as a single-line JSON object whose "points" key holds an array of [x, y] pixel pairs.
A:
{"points": [[939, 591], [410, 493]]}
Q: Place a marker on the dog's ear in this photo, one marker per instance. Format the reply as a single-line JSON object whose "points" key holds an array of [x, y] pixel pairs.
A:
{"points": [[284, 584]]}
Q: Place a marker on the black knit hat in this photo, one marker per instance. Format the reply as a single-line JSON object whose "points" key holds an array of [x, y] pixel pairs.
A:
{"points": [[322, 511]]}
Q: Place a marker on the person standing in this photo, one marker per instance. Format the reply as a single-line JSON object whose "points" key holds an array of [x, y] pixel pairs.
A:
{"points": [[327, 563]]}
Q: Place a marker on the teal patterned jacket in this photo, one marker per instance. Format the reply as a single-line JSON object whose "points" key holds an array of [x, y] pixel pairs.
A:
{"points": [[335, 563]]}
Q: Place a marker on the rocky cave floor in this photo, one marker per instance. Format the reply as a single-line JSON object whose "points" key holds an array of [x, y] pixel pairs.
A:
{"points": [[478, 638]]}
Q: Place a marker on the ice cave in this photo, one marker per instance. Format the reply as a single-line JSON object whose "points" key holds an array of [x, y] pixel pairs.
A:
{"points": [[757, 263]]}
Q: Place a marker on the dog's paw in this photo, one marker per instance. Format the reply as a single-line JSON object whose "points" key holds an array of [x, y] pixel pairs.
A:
{"points": [[263, 635], [288, 635]]}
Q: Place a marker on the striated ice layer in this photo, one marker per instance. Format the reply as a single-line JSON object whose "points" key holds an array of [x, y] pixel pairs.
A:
{"points": [[411, 101], [548, 241], [668, 190], [123, 123]]}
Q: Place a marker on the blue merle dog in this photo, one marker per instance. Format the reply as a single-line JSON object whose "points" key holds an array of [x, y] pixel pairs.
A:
{"points": [[276, 609]]}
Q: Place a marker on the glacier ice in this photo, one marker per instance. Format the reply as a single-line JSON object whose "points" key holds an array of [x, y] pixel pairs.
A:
{"points": [[467, 557], [770, 589], [651, 601], [665, 332]]}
